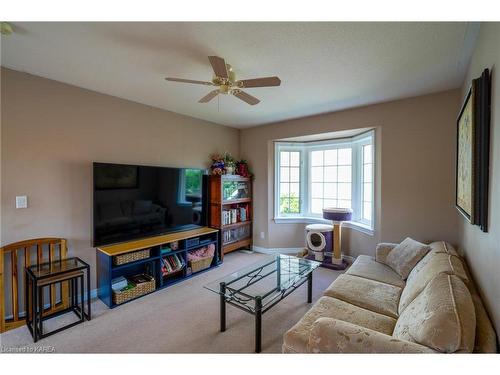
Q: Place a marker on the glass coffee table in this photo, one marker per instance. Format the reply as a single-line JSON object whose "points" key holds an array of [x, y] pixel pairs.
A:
{"points": [[260, 286]]}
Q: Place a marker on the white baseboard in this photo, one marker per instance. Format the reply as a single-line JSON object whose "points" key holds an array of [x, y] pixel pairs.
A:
{"points": [[291, 250], [93, 295]]}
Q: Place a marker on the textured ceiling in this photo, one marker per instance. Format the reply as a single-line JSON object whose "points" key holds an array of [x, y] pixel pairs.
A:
{"points": [[323, 66]]}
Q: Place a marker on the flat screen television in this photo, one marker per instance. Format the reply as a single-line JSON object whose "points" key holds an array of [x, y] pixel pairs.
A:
{"points": [[132, 201]]}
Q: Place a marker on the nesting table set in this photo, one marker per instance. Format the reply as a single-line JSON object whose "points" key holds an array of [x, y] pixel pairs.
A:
{"points": [[71, 271]]}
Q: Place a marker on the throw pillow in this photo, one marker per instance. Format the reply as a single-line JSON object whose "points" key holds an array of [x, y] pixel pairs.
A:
{"points": [[405, 256]]}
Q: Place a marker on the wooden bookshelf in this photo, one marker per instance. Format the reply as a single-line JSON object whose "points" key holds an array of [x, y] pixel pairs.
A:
{"points": [[226, 193]]}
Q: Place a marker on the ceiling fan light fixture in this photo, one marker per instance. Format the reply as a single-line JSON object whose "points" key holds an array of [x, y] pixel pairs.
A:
{"points": [[225, 78]]}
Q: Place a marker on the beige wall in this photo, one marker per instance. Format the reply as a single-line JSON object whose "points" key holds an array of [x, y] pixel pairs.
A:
{"points": [[51, 134], [415, 141], [482, 250]]}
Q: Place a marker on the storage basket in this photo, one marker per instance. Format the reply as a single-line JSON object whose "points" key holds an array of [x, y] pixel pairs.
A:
{"points": [[137, 291], [200, 264], [118, 260]]}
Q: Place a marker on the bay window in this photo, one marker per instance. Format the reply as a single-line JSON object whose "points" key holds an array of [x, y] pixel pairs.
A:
{"points": [[311, 176]]}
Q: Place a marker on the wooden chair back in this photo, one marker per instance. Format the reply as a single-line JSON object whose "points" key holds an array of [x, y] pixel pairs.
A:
{"points": [[13, 259]]}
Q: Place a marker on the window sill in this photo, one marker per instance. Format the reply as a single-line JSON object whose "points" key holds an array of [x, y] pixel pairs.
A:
{"points": [[318, 220]]}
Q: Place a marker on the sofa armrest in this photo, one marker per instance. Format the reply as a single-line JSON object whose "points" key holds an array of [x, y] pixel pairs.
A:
{"points": [[330, 335], [382, 250]]}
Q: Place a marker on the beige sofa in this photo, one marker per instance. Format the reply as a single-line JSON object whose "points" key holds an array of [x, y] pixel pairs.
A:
{"points": [[371, 309]]}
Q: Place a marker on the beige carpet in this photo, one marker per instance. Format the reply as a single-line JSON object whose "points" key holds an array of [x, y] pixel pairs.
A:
{"points": [[183, 318]]}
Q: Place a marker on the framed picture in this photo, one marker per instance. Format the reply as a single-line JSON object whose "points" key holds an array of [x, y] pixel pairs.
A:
{"points": [[473, 148], [465, 165]]}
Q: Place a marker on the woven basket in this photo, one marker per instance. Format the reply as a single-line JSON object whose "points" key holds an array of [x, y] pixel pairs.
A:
{"points": [[137, 291], [131, 257], [200, 264]]}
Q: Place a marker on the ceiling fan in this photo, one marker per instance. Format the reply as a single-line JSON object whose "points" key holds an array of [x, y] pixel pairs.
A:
{"points": [[228, 84]]}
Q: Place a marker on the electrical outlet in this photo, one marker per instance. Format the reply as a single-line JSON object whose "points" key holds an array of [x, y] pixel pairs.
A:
{"points": [[21, 201], [262, 235]]}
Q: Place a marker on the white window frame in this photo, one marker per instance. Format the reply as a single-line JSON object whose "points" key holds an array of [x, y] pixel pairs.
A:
{"points": [[306, 216]]}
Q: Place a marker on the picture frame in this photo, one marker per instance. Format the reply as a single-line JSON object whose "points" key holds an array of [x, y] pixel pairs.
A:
{"points": [[472, 155], [465, 158]]}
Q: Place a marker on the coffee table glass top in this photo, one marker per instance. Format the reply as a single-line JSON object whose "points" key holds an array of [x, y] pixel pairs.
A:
{"points": [[270, 279]]}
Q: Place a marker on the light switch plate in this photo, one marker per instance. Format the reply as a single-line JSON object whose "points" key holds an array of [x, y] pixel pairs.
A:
{"points": [[21, 201]]}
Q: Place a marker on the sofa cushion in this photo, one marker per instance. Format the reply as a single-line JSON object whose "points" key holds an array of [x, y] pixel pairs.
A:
{"points": [[368, 294], [442, 247], [296, 339], [442, 317], [405, 256], [432, 265], [367, 267]]}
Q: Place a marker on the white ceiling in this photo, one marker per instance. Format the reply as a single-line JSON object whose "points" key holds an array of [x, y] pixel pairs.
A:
{"points": [[323, 66]]}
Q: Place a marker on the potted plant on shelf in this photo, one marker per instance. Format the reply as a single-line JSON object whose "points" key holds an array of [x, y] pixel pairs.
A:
{"points": [[229, 163]]}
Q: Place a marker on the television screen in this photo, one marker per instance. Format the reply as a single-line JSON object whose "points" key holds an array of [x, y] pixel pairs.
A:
{"points": [[133, 201]]}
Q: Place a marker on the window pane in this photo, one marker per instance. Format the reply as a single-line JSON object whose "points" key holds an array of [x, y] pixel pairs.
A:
{"points": [[295, 159], [367, 211], [344, 191], [330, 203], [284, 158], [330, 174], [317, 190], [367, 192], [284, 174], [317, 158], [330, 191], [344, 156], [331, 157], [294, 205], [344, 174], [284, 205], [367, 154], [344, 204], [367, 172], [294, 174], [284, 189], [294, 190], [317, 206], [317, 174]]}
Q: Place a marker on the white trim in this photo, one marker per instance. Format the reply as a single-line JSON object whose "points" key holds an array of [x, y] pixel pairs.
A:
{"points": [[319, 220], [93, 295], [305, 148]]}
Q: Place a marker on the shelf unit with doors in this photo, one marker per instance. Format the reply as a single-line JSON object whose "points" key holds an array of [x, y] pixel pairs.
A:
{"points": [[231, 210]]}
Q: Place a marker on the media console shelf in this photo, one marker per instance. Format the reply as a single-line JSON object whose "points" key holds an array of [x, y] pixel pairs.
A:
{"points": [[187, 241]]}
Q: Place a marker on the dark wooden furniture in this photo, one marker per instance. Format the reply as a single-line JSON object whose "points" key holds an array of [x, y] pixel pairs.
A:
{"points": [[226, 193], [188, 240], [72, 271], [13, 259]]}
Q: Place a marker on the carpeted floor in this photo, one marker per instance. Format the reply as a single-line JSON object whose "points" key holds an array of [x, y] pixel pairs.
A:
{"points": [[183, 318]]}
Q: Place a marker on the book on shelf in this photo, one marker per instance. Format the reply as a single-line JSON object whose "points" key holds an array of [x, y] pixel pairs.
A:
{"points": [[235, 215], [171, 264]]}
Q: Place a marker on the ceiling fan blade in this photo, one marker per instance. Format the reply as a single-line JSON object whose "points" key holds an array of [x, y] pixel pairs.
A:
{"points": [[252, 100], [209, 96], [260, 82], [182, 80], [219, 66]]}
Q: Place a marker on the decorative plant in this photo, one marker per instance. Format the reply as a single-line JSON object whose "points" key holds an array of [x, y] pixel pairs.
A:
{"points": [[242, 169], [218, 165], [229, 161]]}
